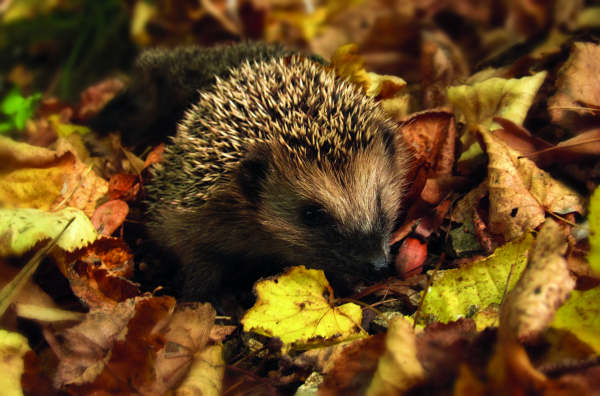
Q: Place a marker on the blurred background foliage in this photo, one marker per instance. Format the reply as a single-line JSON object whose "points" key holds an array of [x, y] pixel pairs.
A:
{"points": [[60, 47]]}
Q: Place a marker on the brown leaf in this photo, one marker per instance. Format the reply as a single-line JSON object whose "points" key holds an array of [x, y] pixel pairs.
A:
{"points": [[542, 289], [155, 156], [581, 149], [95, 285], [113, 252], [443, 64], [125, 187], [520, 193], [121, 337], [109, 216], [353, 369], [95, 97], [432, 135], [188, 332], [577, 99], [518, 138]]}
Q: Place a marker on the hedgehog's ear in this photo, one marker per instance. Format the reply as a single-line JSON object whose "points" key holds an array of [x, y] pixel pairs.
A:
{"points": [[253, 170]]}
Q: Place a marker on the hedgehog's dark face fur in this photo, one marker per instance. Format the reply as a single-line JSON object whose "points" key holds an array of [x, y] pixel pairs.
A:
{"points": [[281, 163], [336, 217]]}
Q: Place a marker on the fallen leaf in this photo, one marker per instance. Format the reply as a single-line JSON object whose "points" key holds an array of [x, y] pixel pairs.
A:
{"points": [[348, 65], [64, 130], [42, 179], [580, 315], [495, 97], [594, 220], [399, 368], [460, 293], [352, 370], [13, 347], [432, 135], [205, 377], [94, 284], [46, 314], [95, 97], [542, 288], [520, 193], [125, 187], [443, 65], [188, 332], [109, 216], [155, 156], [577, 100], [295, 306], [120, 338], [21, 229]]}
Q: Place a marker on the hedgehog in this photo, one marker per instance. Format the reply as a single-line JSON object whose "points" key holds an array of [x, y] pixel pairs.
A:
{"points": [[166, 81], [279, 164]]}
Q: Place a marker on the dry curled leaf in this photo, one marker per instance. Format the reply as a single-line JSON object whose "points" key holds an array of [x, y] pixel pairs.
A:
{"points": [[399, 368], [576, 103], [542, 289]]}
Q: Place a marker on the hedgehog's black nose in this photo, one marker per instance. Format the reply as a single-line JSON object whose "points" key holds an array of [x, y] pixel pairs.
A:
{"points": [[377, 267]]}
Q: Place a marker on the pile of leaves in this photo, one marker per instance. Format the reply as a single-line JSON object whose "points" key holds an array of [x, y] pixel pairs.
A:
{"points": [[497, 252]]}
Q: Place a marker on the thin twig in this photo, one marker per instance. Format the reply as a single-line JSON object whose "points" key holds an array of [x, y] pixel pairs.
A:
{"points": [[567, 221], [255, 377], [437, 268]]}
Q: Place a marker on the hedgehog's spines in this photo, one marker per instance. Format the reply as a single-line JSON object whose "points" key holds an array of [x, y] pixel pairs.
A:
{"points": [[288, 102]]}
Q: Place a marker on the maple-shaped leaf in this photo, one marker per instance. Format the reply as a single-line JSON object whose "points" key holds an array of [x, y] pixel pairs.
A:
{"points": [[295, 306], [21, 229], [464, 291]]}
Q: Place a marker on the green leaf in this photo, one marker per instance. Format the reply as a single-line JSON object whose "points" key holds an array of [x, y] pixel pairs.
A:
{"points": [[581, 316], [18, 109], [463, 292], [594, 220]]}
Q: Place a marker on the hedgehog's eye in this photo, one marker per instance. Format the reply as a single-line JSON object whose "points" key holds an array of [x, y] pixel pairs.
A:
{"points": [[312, 215]]}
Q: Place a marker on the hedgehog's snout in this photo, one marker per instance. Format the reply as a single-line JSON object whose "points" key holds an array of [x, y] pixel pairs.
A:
{"points": [[377, 268]]}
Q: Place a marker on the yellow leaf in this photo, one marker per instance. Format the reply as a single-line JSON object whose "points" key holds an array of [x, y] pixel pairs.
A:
{"points": [[399, 368], [65, 130], [348, 64], [21, 229], [477, 285], [13, 347], [496, 97], [295, 307], [581, 316], [594, 220], [143, 12], [206, 373]]}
